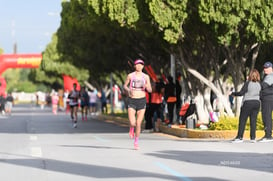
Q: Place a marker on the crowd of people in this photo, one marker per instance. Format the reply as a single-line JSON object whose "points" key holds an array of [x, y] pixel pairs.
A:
{"points": [[155, 102], [163, 104], [87, 102]]}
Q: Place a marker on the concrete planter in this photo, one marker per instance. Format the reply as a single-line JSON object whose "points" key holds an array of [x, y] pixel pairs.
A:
{"points": [[213, 134], [184, 132]]}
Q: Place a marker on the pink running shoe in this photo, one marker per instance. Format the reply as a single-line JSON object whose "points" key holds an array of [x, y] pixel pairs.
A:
{"points": [[136, 146], [136, 143], [131, 134]]}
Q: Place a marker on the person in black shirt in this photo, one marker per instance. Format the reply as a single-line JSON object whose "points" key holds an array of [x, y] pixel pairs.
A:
{"points": [[170, 98], [9, 103], [178, 90], [267, 101], [2, 104]]}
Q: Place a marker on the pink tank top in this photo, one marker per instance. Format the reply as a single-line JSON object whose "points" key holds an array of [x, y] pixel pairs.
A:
{"points": [[137, 83], [55, 99]]}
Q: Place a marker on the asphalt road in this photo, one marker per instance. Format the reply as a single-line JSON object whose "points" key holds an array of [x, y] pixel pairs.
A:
{"points": [[39, 146]]}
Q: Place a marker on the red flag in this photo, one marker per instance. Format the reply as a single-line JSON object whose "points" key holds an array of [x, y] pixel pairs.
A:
{"points": [[3, 86], [69, 81], [152, 73]]}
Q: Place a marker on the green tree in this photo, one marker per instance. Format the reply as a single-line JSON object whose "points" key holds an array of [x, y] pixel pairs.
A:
{"points": [[170, 17], [240, 27], [212, 40], [17, 80], [53, 67], [99, 36]]}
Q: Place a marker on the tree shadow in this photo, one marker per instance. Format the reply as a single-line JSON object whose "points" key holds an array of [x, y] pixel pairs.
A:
{"points": [[93, 171], [251, 161]]}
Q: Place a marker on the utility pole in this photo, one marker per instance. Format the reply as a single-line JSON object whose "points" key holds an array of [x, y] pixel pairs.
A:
{"points": [[173, 67], [111, 93], [174, 77], [13, 37]]}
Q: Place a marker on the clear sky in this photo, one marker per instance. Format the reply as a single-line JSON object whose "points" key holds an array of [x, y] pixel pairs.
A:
{"points": [[29, 23]]}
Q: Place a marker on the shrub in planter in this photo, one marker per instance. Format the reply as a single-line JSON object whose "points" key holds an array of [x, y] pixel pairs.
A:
{"points": [[231, 123]]}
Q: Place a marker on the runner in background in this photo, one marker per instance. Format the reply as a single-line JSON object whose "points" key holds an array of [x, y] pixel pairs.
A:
{"points": [[93, 102], [73, 102], [54, 101], [9, 103], [84, 103]]}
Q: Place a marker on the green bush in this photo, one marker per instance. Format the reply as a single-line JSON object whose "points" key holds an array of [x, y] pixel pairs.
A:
{"points": [[25, 86], [231, 123]]}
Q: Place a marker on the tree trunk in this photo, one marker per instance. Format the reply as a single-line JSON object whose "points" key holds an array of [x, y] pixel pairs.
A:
{"points": [[220, 96], [202, 112]]}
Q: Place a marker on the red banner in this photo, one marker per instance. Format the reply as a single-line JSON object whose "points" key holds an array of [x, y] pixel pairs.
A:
{"points": [[19, 61], [3, 86]]}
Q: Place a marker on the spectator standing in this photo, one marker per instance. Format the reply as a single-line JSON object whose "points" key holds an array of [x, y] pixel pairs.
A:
{"points": [[138, 82], [178, 90], [103, 102], [42, 99], [170, 98], [250, 105], [93, 101], [267, 101], [231, 99], [9, 103], [156, 104], [2, 104], [148, 114], [37, 99], [66, 101], [48, 100], [213, 100]]}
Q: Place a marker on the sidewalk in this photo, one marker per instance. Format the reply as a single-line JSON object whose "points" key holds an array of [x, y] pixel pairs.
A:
{"points": [[187, 133]]}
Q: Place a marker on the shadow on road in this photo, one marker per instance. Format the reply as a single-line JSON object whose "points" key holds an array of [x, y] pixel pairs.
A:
{"points": [[250, 161], [93, 171]]}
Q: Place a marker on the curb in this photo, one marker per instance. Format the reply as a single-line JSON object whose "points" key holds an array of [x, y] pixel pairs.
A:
{"points": [[115, 119], [188, 133], [206, 134]]}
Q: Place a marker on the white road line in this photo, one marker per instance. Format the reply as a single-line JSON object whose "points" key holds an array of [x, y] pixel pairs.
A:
{"points": [[100, 139], [33, 138], [173, 172], [36, 151]]}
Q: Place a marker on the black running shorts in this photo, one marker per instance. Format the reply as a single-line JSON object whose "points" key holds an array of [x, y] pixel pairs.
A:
{"points": [[137, 103]]}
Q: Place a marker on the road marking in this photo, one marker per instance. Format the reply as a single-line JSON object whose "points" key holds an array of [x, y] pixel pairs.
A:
{"points": [[100, 139], [173, 172], [3, 117], [33, 138], [36, 151]]}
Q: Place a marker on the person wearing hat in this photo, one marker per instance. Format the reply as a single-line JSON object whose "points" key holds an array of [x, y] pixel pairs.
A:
{"points": [[136, 84], [267, 101]]}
